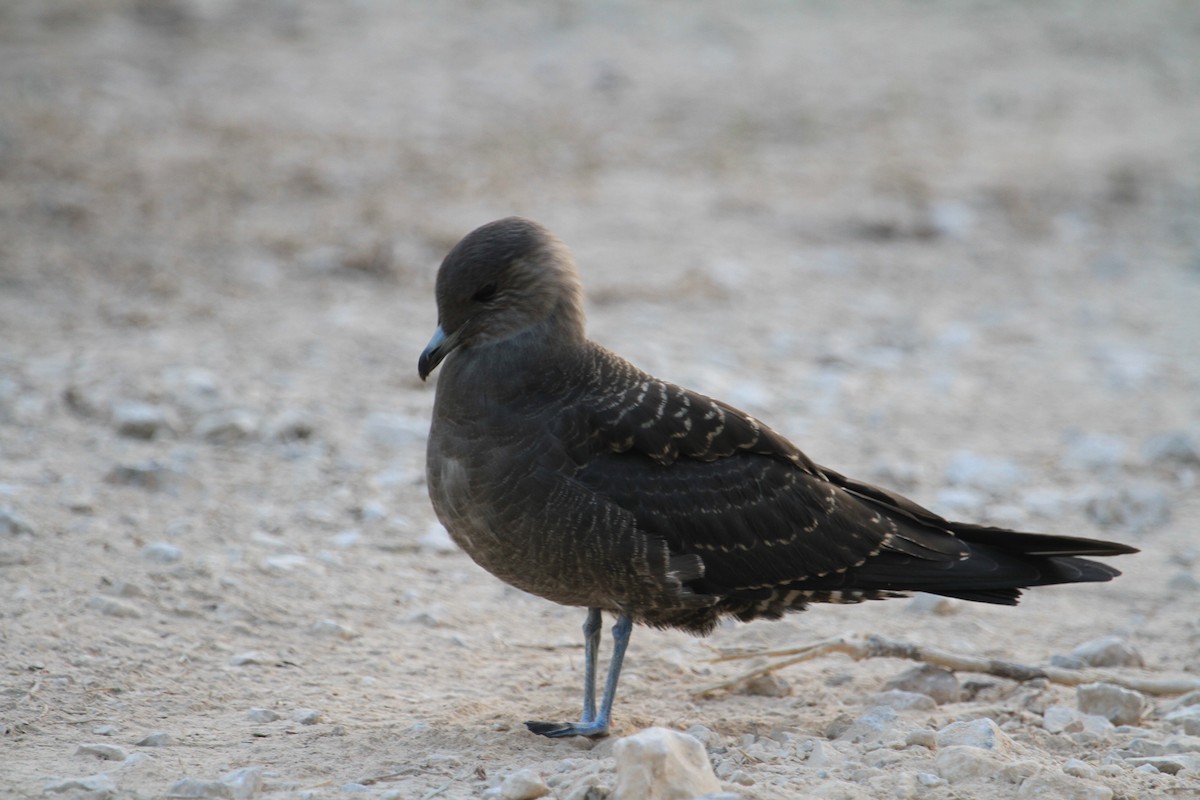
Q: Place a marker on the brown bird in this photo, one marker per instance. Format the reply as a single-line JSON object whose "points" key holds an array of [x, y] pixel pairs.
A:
{"points": [[569, 473]]}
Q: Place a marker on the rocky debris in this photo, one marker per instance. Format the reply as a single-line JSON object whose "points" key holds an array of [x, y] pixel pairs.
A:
{"points": [[981, 733], [1057, 785], [878, 724], [992, 475], [959, 763], [1170, 764], [162, 553], [155, 739], [13, 524], [1119, 706], [305, 716], [1187, 718], [935, 682], [152, 475], [227, 427], [769, 685], [113, 607], [1108, 651], [141, 420], [901, 700], [262, 715], [662, 764], [1079, 769], [1061, 719], [108, 752], [921, 737], [1133, 508], [332, 629], [93, 787], [524, 784]]}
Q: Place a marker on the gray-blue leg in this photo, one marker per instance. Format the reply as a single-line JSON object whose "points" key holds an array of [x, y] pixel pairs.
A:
{"points": [[593, 724]]}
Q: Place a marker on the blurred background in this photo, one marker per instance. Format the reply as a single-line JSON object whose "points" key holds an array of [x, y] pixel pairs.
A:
{"points": [[950, 246]]}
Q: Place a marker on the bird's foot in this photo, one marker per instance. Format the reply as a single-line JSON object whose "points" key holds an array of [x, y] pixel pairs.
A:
{"points": [[557, 730]]}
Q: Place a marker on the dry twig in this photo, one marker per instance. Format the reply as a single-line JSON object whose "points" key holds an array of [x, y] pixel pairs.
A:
{"points": [[878, 647]]}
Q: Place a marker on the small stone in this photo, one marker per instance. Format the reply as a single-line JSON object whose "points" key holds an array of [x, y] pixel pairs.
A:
{"points": [[162, 553], [149, 475], [437, 540], [876, 725], [769, 685], [662, 764], [925, 603], [524, 784], [958, 763], [1080, 769], [262, 715], [194, 789], [140, 420], [902, 701], [1170, 764], [347, 538], [97, 787], [114, 607], [928, 779], [155, 739], [1119, 706], [936, 682], [708, 737], [1187, 717], [244, 783], [1046, 784], [227, 427], [108, 752], [13, 524], [104, 730], [306, 716], [982, 733], [332, 629], [1108, 651], [251, 657], [921, 737], [995, 476]]}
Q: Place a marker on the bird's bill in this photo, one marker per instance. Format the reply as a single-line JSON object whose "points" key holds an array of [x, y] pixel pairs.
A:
{"points": [[437, 349]]}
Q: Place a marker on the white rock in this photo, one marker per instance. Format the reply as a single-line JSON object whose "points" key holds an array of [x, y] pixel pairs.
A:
{"points": [[901, 701], [306, 716], [1170, 764], [250, 657], [935, 682], [227, 427], [332, 629], [162, 553], [662, 764], [1079, 769], [114, 607], [244, 783], [1188, 717], [769, 685], [96, 786], [524, 784], [876, 725], [1046, 784], [155, 739], [958, 763], [195, 789], [1119, 706], [981, 733], [262, 715], [140, 420], [1108, 651], [108, 752]]}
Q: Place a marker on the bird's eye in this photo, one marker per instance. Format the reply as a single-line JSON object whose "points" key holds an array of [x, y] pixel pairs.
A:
{"points": [[485, 294]]}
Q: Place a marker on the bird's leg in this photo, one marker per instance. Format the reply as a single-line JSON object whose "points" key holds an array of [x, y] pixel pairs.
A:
{"points": [[593, 724], [591, 654]]}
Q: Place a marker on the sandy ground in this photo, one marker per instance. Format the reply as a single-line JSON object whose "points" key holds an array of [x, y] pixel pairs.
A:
{"points": [[951, 247]]}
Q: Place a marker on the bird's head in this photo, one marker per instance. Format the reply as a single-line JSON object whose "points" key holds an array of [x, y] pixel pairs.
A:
{"points": [[503, 279]]}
